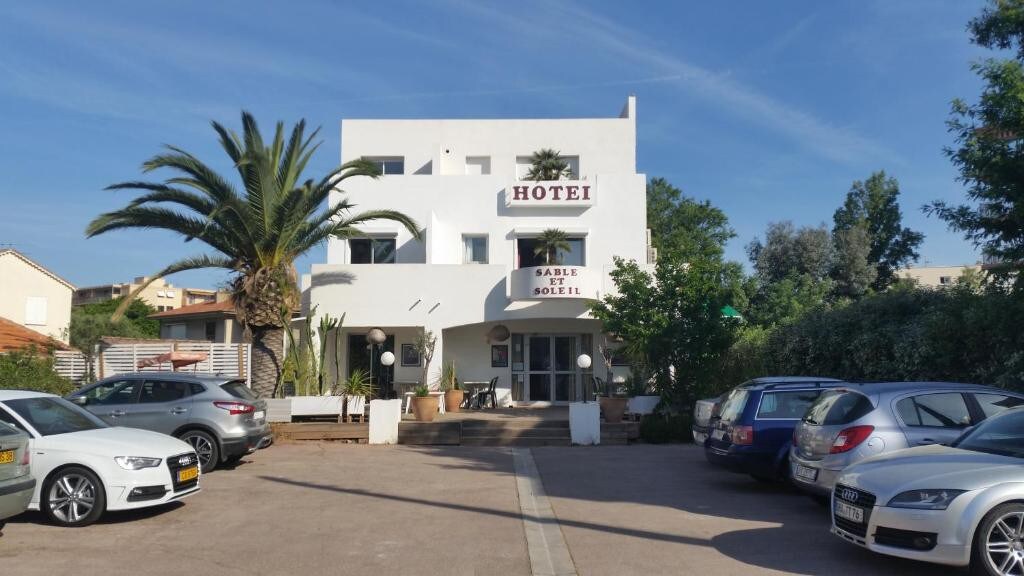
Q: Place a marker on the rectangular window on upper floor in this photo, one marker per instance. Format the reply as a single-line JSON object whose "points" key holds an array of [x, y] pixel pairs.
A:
{"points": [[474, 249], [524, 164], [371, 250], [478, 165], [530, 252], [388, 165]]}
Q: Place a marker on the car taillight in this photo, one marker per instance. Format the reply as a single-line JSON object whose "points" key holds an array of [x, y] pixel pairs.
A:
{"points": [[743, 435], [26, 459], [235, 407], [850, 438]]}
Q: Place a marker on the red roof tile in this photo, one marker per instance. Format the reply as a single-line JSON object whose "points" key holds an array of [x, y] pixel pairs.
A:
{"points": [[225, 307], [14, 336]]}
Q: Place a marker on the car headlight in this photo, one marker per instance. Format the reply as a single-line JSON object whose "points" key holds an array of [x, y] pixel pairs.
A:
{"points": [[136, 462], [929, 499]]}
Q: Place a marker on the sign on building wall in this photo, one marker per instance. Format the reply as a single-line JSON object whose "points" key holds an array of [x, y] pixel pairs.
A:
{"points": [[541, 282], [567, 193]]}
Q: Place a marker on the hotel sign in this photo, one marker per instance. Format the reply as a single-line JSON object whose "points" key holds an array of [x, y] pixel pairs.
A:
{"points": [[568, 193], [542, 282]]}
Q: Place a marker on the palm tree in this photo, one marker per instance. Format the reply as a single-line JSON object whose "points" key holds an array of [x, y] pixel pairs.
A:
{"points": [[548, 164], [549, 243], [258, 234]]}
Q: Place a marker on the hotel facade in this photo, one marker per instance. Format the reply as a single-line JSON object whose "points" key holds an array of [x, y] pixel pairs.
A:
{"points": [[475, 279]]}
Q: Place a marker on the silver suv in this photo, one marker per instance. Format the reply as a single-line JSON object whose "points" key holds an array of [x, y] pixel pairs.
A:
{"points": [[219, 416], [848, 424]]}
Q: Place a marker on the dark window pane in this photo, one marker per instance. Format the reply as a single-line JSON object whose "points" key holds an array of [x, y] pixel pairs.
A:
{"points": [[908, 412], [116, 392], [847, 408], [393, 167], [734, 405], [50, 416], [527, 258], [238, 389], [940, 411], [565, 387], [362, 252], [574, 257], [540, 387], [9, 419], [540, 353], [992, 404], [197, 388], [565, 353], [384, 251], [161, 391]]}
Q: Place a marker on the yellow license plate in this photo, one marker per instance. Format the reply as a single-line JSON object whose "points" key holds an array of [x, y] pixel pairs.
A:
{"points": [[7, 456], [187, 474]]}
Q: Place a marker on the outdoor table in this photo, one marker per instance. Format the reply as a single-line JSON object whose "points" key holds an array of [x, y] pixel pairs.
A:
{"points": [[473, 387]]}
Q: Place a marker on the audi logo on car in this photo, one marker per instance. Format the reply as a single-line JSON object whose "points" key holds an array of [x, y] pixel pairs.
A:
{"points": [[184, 460], [849, 495]]}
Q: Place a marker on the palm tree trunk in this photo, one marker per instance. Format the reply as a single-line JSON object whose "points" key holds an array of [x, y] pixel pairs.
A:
{"points": [[267, 359]]}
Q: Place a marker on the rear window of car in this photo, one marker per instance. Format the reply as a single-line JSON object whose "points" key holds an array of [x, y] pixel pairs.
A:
{"points": [[8, 430], [839, 407], [992, 404], [789, 405], [238, 389], [734, 405]]}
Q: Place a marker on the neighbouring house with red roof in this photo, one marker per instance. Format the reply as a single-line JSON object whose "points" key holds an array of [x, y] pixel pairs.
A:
{"points": [[209, 321], [14, 336], [33, 297]]}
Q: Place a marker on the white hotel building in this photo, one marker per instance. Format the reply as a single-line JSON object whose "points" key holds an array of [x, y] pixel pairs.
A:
{"points": [[475, 268]]}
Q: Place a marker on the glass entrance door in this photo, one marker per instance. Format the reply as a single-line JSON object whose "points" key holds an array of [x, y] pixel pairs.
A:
{"points": [[551, 368]]}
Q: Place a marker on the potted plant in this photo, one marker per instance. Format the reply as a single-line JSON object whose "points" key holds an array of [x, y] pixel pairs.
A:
{"points": [[551, 244], [354, 391], [424, 406], [613, 404], [546, 165], [449, 383]]}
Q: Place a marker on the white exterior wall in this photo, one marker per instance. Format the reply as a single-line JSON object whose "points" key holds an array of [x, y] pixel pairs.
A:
{"points": [[429, 286], [21, 282]]}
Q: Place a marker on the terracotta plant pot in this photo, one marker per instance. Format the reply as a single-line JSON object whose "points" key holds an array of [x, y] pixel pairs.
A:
{"points": [[452, 400], [614, 408], [424, 407]]}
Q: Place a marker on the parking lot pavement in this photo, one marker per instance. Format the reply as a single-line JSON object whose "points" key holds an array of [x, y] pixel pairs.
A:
{"points": [[648, 510], [326, 509], [317, 509]]}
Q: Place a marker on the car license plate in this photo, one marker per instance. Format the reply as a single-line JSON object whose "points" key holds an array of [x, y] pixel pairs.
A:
{"points": [[186, 474], [258, 415], [851, 513], [7, 456], [807, 473]]}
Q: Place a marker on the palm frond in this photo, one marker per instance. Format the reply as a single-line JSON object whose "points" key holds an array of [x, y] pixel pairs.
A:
{"points": [[192, 263]]}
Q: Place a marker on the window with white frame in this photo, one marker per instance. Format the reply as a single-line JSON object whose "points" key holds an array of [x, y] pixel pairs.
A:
{"points": [[529, 253], [388, 165], [371, 250], [474, 249], [35, 310]]}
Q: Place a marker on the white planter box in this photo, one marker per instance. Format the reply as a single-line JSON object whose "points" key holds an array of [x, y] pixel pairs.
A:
{"points": [[316, 405], [585, 423], [642, 404], [279, 409]]}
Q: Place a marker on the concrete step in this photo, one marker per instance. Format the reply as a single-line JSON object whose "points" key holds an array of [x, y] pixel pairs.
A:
{"points": [[512, 433], [514, 424], [525, 442], [429, 433]]}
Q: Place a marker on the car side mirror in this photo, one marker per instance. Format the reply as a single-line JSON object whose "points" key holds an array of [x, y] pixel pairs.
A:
{"points": [[80, 400]]}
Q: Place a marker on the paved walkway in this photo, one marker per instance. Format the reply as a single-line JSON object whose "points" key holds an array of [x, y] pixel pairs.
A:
{"points": [[326, 509]]}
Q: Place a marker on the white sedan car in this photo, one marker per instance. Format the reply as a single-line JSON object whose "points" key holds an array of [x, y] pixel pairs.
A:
{"points": [[959, 505], [85, 467]]}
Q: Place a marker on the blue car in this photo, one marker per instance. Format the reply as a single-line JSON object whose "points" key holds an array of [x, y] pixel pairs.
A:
{"points": [[753, 429]]}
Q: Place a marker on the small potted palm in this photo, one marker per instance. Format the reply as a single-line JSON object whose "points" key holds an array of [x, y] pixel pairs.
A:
{"points": [[449, 383], [354, 390]]}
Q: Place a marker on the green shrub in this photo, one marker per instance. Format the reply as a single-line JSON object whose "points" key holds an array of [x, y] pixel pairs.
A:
{"points": [[660, 429], [28, 370]]}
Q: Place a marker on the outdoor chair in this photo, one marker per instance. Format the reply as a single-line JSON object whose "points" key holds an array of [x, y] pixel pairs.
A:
{"points": [[488, 393]]}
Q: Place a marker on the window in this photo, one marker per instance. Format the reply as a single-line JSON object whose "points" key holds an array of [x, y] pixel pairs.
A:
{"points": [[51, 416], [372, 250], [35, 311], [7, 418], [786, 405], [992, 404], [475, 249], [160, 294], [211, 330], [238, 389], [161, 391], [478, 165], [528, 255], [733, 406], [838, 408], [945, 280], [177, 331], [388, 165], [116, 392], [935, 410]]}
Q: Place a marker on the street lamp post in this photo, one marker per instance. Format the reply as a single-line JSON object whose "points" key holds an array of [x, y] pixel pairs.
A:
{"points": [[387, 359], [584, 361]]}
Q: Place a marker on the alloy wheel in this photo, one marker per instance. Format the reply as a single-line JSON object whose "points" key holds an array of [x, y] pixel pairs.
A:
{"points": [[203, 448], [72, 498], [1004, 544]]}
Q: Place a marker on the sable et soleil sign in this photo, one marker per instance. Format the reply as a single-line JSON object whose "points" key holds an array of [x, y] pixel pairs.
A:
{"points": [[541, 282], [556, 193]]}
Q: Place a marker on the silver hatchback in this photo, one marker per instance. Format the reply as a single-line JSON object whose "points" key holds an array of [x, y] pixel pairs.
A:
{"points": [[219, 416], [848, 424]]}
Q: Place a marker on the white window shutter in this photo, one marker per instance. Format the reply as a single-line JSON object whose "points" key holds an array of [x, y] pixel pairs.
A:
{"points": [[35, 311]]}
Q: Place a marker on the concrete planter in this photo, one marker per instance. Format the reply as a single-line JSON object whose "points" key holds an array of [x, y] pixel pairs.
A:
{"points": [[424, 407], [384, 418], [317, 405], [585, 423], [279, 409], [453, 400], [614, 408], [643, 404]]}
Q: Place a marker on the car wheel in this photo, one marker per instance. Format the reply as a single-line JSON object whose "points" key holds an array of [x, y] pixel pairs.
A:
{"points": [[73, 497], [206, 448], [999, 542]]}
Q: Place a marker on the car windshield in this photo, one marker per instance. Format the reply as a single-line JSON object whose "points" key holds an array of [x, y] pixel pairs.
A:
{"points": [[734, 405], [1003, 435], [51, 416]]}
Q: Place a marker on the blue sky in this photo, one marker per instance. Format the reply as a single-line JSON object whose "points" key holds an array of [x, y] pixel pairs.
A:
{"points": [[768, 109]]}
